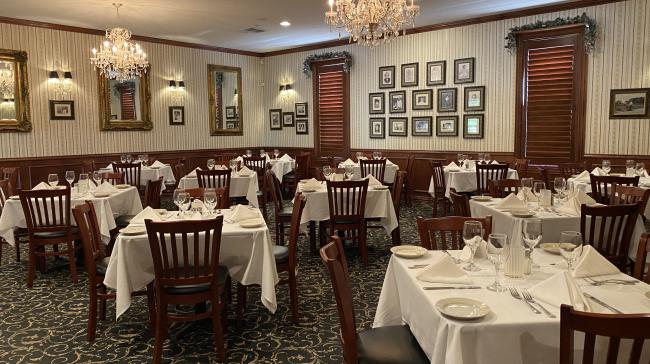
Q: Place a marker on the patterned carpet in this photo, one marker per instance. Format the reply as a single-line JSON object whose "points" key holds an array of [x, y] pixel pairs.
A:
{"points": [[47, 324]]}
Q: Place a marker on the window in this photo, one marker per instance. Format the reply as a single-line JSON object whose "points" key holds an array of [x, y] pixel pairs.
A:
{"points": [[331, 109], [550, 108]]}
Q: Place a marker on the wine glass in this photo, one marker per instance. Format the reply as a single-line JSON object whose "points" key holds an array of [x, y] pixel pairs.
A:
{"points": [[359, 155], [327, 172], [629, 168], [210, 163], [570, 247], [141, 157], [349, 172], [249, 153], [559, 183], [186, 202], [527, 187], [640, 169], [379, 155], [262, 153], [97, 178], [472, 233], [53, 179], [145, 160], [481, 158], [276, 153], [497, 253], [459, 157], [487, 157], [69, 176], [83, 182], [178, 199], [532, 235], [210, 200], [538, 190], [123, 158], [129, 158], [606, 166], [233, 164]]}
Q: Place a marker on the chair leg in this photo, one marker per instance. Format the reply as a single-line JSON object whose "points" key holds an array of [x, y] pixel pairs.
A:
{"points": [[102, 303], [217, 329], [362, 246], [280, 233], [92, 311], [72, 262], [395, 237], [151, 304], [161, 331], [1, 244], [31, 271], [228, 289], [435, 205], [293, 294], [241, 303], [17, 250]]}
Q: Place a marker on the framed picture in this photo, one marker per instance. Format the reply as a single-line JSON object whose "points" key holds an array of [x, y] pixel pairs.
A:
{"points": [[422, 100], [302, 126], [397, 102], [301, 110], [288, 119], [447, 100], [377, 103], [61, 110], [447, 125], [230, 124], [421, 125], [464, 70], [398, 126], [629, 103], [436, 73], [474, 99], [387, 77], [377, 128], [231, 112], [275, 117], [409, 74], [177, 115], [473, 126]]}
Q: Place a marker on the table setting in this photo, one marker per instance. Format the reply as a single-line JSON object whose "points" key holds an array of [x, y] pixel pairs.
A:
{"points": [[148, 172], [389, 172], [462, 176], [279, 165], [243, 183]]}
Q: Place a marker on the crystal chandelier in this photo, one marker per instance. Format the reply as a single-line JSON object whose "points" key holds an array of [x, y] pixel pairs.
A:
{"points": [[7, 79], [118, 58], [372, 22]]}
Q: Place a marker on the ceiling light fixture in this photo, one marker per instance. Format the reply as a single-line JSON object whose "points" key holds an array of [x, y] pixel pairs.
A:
{"points": [[285, 23]]}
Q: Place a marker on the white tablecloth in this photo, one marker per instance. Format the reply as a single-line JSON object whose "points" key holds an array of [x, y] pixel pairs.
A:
{"points": [[511, 333], [240, 186], [278, 166], [464, 180], [552, 224], [152, 174], [248, 254], [378, 204], [586, 187], [125, 202], [389, 172]]}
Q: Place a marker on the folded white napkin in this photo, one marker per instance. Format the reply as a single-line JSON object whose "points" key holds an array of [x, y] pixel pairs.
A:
{"points": [[511, 202], [147, 213], [481, 251], [645, 174], [388, 162], [583, 177], [372, 181], [528, 194], [286, 158], [240, 159], [443, 270], [241, 213], [348, 162], [106, 187], [337, 177], [221, 167], [592, 264], [311, 184], [572, 205], [560, 289], [42, 186], [158, 164], [244, 171], [452, 167], [193, 173], [495, 162], [598, 172]]}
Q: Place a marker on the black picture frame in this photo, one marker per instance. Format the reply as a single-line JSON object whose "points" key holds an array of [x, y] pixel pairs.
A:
{"points": [[417, 122], [302, 126], [174, 111], [415, 97], [443, 73], [471, 131], [637, 98], [443, 130], [460, 76], [62, 110], [275, 119], [377, 128], [469, 100], [231, 112], [393, 105], [385, 82], [447, 99], [415, 72], [394, 122], [289, 115], [301, 109], [381, 96]]}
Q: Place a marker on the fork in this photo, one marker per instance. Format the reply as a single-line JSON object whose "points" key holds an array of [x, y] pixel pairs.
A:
{"points": [[530, 299], [515, 294], [456, 260], [594, 282], [416, 266]]}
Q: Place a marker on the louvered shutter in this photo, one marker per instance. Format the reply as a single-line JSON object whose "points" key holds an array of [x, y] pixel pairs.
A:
{"points": [[331, 96]]}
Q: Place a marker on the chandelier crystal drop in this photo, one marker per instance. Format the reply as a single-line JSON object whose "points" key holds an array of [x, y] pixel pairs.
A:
{"points": [[372, 22], [118, 58]]}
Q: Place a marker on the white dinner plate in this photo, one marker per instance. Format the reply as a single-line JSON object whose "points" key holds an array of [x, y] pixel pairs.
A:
{"points": [[553, 248], [161, 212], [122, 186], [251, 223], [380, 188], [156, 167], [408, 251], [522, 213], [134, 230], [481, 198], [100, 195], [462, 308], [307, 190]]}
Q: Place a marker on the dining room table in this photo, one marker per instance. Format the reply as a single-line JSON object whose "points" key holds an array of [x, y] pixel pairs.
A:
{"points": [[247, 252], [508, 331], [585, 186], [389, 172], [463, 180], [280, 166], [241, 185], [151, 173]]}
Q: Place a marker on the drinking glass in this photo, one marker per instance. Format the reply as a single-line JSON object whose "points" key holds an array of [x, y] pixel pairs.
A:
{"points": [[69, 176], [123, 158], [538, 189], [186, 202], [141, 157], [606, 166], [527, 187], [374, 155], [262, 153], [53, 179], [459, 157], [210, 200], [487, 158], [379, 155], [210, 163], [532, 235], [97, 177], [640, 169], [629, 168], [481, 158], [83, 177], [276, 153], [359, 155], [145, 160], [129, 158], [472, 233], [233, 165], [178, 199], [559, 183], [249, 153], [327, 172], [570, 247], [497, 254], [349, 172]]}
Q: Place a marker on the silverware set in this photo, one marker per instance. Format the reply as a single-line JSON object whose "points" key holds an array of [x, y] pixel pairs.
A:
{"points": [[418, 266], [436, 288], [530, 301], [595, 282]]}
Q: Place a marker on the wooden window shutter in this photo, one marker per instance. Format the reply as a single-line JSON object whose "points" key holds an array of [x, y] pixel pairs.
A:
{"points": [[331, 109]]}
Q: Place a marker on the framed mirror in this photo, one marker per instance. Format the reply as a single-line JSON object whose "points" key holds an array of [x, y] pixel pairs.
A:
{"points": [[14, 92], [225, 100], [125, 105]]}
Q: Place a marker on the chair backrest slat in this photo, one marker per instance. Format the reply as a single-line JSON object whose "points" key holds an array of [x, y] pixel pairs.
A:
{"points": [[398, 186], [131, 172], [438, 175], [294, 231], [568, 170], [374, 167], [347, 199], [601, 186], [623, 195], [443, 228], [641, 256], [521, 166], [90, 233], [215, 178], [460, 203], [503, 187], [487, 172], [114, 178], [152, 193]]}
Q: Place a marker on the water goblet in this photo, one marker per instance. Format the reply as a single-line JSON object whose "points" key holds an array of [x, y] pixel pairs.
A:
{"points": [[487, 157], [53, 179], [629, 168], [123, 158], [538, 190], [532, 235], [210, 164], [527, 187], [349, 172], [459, 157], [570, 247], [606, 166], [249, 153], [472, 233], [481, 158], [559, 183], [69, 176], [186, 202], [97, 178], [276, 153], [497, 253], [640, 169], [327, 172], [262, 153], [178, 199], [233, 165], [379, 155], [210, 200], [359, 156], [141, 157]]}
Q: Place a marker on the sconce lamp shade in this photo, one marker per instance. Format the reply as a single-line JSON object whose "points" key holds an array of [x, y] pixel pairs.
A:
{"points": [[181, 84], [172, 83], [54, 75], [288, 87], [67, 75]]}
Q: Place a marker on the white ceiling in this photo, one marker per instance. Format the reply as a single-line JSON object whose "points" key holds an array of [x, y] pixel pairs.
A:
{"points": [[219, 22]]}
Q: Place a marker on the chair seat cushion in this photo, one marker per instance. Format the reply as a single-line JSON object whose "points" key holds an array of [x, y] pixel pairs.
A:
{"points": [[124, 220], [389, 345], [56, 234], [281, 253], [222, 273], [101, 266]]}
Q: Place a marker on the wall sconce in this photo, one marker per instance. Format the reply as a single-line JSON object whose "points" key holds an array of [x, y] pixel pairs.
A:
{"points": [[286, 91], [176, 90], [61, 88]]}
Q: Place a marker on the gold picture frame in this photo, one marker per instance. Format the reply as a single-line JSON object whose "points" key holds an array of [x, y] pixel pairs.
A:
{"points": [[22, 121], [107, 123]]}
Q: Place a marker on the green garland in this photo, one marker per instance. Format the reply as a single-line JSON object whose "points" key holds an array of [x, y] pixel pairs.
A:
{"points": [[590, 33], [306, 65]]}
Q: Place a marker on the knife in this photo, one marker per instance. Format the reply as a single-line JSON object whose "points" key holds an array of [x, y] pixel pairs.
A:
{"points": [[444, 287], [602, 303]]}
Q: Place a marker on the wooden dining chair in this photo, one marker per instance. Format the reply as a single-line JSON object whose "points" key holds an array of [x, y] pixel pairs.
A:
{"points": [[448, 231], [612, 326], [301, 171], [47, 214], [387, 344], [503, 187], [622, 195], [259, 166], [601, 186], [521, 166], [179, 172], [568, 170], [185, 258], [131, 172], [489, 172], [223, 201], [347, 208], [640, 272], [114, 178], [12, 174], [374, 167], [215, 178], [609, 230], [96, 264], [282, 213], [88, 166], [151, 199], [439, 187], [459, 203]]}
